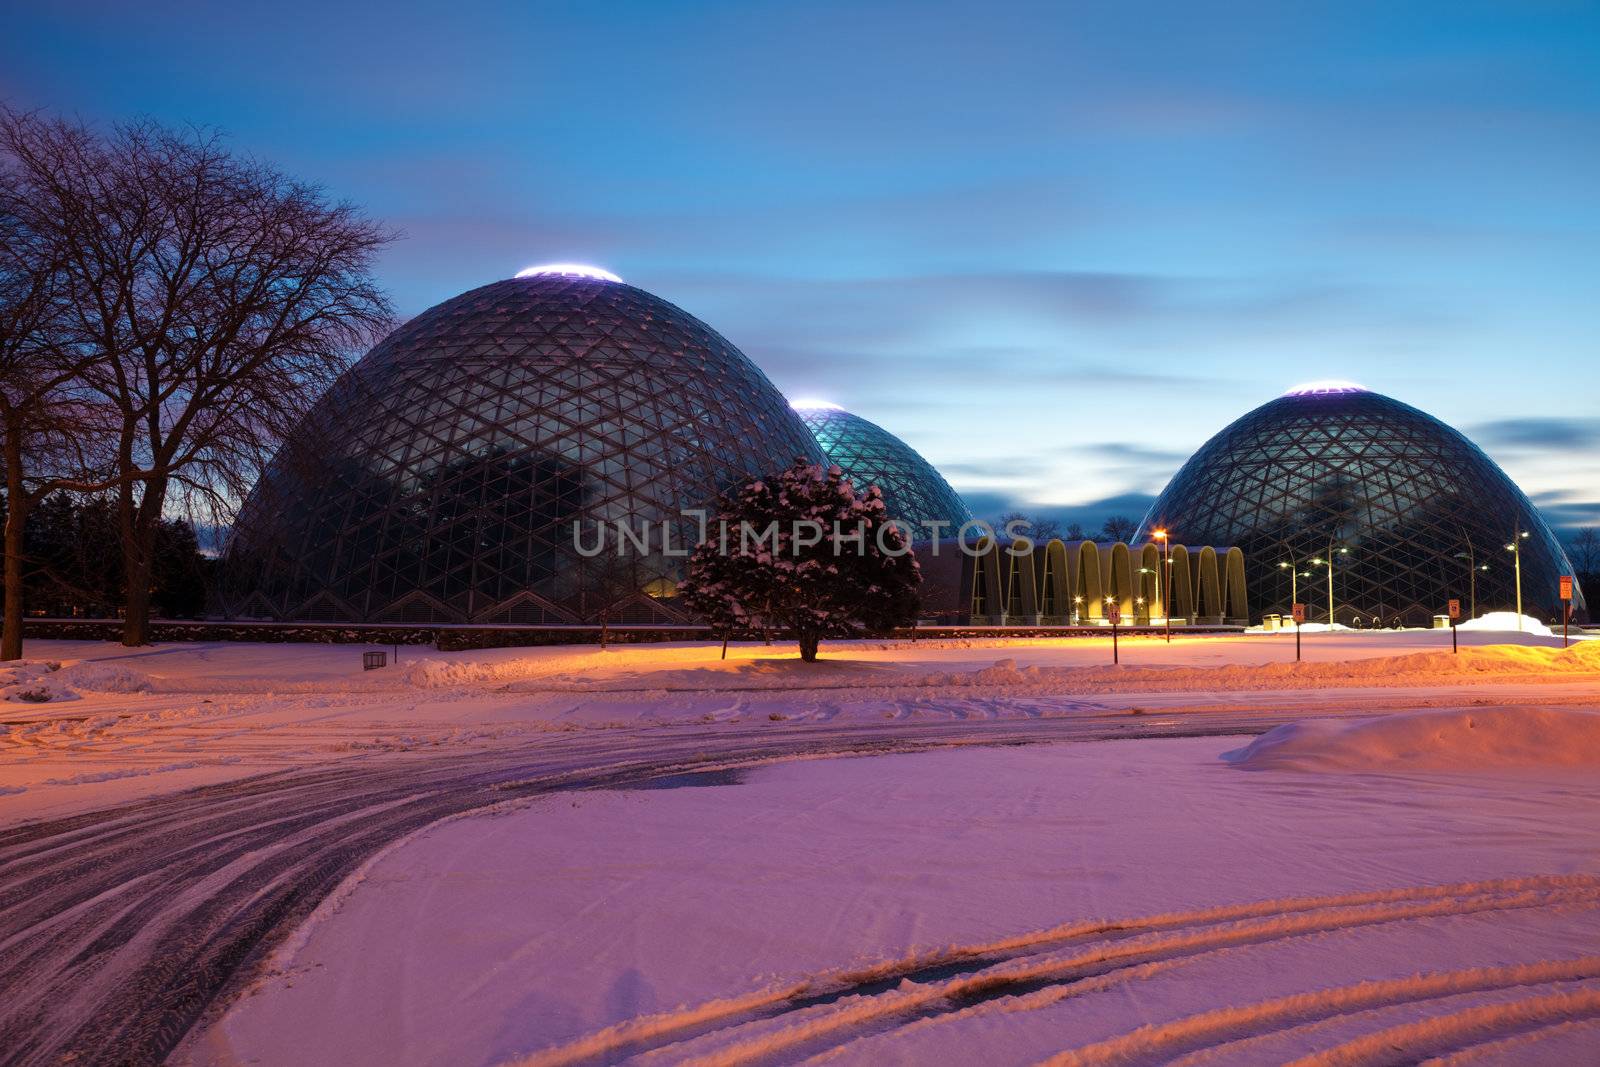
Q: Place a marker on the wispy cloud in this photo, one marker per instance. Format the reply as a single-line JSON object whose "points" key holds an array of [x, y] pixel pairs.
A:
{"points": [[1539, 433]]}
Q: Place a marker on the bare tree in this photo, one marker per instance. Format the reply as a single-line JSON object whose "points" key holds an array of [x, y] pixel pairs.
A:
{"points": [[1039, 529], [218, 297], [1585, 551], [1118, 528], [1075, 532], [49, 422]]}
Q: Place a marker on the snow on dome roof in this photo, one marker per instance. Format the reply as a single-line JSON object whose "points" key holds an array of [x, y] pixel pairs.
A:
{"points": [[1326, 385], [808, 404], [568, 270]]}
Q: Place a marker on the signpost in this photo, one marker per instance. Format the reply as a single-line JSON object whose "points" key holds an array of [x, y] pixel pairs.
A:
{"points": [[1114, 613], [1455, 615], [1299, 617], [1566, 606]]}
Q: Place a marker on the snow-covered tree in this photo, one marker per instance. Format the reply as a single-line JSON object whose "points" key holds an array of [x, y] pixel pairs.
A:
{"points": [[804, 552]]}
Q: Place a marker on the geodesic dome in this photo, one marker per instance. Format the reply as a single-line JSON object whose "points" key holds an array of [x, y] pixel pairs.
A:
{"points": [[1409, 508], [441, 477], [913, 490]]}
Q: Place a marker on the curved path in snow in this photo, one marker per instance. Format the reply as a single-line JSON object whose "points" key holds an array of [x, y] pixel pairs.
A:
{"points": [[120, 929]]}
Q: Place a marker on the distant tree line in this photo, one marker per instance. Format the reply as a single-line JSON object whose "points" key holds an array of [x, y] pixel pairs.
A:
{"points": [[168, 310], [1042, 529], [1584, 553], [72, 565]]}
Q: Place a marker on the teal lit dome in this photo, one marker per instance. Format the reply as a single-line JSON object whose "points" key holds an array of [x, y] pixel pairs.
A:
{"points": [[912, 490]]}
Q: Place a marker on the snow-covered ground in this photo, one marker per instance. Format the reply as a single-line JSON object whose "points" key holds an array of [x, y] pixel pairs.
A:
{"points": [[911, 907], [1116, 902], [124, 723]]}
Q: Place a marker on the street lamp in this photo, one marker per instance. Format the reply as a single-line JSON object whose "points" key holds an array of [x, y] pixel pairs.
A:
{"points": [[1515, 548], [1163, 581], [1294, 586], [1328, 562], [1473, 567]]}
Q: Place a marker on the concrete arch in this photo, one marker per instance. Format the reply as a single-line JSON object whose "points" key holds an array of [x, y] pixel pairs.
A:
{"points": [[1181, 594], [986, 596], [1089, 594], [1055, 584], [1209, 607], [1118, 577], [1022, 593], [1236, 608]]}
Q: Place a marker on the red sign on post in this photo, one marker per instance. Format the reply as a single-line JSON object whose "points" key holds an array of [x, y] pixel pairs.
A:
{"points": [[1114, 613], [1299, 613], [1566, 587], [1455, 609]]}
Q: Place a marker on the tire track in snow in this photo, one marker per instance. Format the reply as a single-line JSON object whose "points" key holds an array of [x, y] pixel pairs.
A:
{"points": [[120, 929], [1503, 1050], [1159, 1042], [810, 1017]]}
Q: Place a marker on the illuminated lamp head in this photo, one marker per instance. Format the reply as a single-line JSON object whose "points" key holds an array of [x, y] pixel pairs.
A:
{"points": [[568, 270], [1325, 387], [809, 404]]}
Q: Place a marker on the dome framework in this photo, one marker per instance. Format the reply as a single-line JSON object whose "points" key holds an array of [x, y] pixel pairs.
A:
{"points": [[441, 478], [1413, 513], [914, 492]]}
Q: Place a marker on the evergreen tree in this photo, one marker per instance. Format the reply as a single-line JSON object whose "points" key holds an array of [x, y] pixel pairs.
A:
{"points": [[802, 551], [72, 562]]}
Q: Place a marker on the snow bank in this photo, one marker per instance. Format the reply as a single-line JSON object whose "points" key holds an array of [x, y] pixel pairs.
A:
{"points": [[34, 682], [105, 678], [125, 772], [1485, 738], [1506, 621], [47, 681], [1305, 628]]}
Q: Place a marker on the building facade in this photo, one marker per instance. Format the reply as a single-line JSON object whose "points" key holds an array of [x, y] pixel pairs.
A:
{"points": [[990, 581]]}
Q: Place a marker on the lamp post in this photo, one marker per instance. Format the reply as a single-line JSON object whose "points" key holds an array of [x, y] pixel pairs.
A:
{"points": [[1515, 548], [1163, 582], [1328, 562], [1294, 585], [1473, 567]]}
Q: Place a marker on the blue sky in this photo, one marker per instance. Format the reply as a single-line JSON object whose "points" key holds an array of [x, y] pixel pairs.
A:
{"points": [[1055, 247]]}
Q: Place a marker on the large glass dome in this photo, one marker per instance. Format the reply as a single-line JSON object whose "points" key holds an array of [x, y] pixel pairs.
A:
{"points": [[870, 455], [440, 479], [1411, 510]]}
